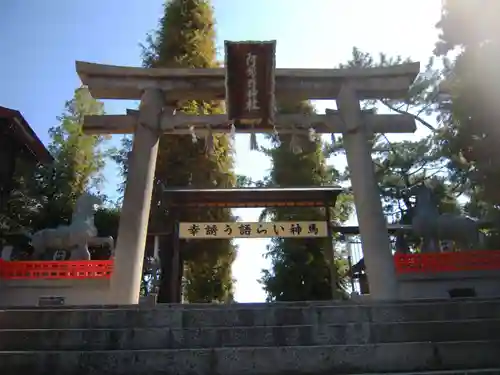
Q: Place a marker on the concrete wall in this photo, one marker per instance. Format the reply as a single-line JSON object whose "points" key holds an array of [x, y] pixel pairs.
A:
{"points": [[75, 292]]}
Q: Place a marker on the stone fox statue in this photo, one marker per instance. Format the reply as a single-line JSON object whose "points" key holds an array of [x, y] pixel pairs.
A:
{"points": [[74, 237], [434, 227]]}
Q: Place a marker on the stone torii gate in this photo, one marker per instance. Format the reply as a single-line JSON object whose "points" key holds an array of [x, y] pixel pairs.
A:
{"points": [[155, 87]]}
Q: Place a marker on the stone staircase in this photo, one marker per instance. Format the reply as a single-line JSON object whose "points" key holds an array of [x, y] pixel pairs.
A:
{"points": [[448, 337]]}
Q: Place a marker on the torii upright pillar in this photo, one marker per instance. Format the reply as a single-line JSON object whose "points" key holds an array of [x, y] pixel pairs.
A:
{"points": [[133, 227], [371, 220]]}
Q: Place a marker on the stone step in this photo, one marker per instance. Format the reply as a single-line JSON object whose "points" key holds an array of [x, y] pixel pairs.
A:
{"points": [[239, 315], [347, 359], [253, 305], [452, 372], [216, 337]]}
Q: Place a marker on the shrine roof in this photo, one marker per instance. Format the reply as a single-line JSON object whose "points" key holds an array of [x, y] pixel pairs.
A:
{"points": [[22, 132], [254, 197]]}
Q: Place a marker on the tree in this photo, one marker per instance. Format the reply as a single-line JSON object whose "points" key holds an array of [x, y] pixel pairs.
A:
{"points": [[399, 166], [470, 108], [77, 167], [46, 199], [464, 24], [300, 267], [186, 38]]}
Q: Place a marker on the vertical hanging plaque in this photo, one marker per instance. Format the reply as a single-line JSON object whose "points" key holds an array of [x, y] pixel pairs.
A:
{"points": [[250, 78]]}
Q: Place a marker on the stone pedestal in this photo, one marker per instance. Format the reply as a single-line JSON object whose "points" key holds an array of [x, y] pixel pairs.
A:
{"points": [[485, 284], [74, 292]]}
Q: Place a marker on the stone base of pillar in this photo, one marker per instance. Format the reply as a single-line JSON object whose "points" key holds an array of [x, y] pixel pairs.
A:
{"points": [[149, 300]]}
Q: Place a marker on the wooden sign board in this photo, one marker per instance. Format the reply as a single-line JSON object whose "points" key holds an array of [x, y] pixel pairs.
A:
{"points": [[250, 82], [301, 229]]}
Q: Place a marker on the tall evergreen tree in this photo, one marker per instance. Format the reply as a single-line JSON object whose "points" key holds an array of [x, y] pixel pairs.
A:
{"points": [[47, 198], [186, 38], [300, 267], [470, 111]]}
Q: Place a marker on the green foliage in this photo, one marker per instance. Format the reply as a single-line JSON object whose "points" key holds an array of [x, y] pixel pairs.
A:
{"points": [[47, 197], [422, 98], [399, 166], [465, 24], [300, 268], [243, 181], [470, 110], [78, 161], [106, 220], [186, 38]]}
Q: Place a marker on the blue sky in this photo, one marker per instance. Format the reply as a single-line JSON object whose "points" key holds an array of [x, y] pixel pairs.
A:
{"points": [[42, 39]]}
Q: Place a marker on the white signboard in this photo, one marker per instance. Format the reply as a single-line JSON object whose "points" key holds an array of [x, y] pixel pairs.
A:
{"points": [[299, 229]]}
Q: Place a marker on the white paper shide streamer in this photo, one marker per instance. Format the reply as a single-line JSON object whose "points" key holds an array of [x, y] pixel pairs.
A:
{"points": [[295, 144], [253, 142], [313, 137], [209, 142], [233, 131], [193, 134]]}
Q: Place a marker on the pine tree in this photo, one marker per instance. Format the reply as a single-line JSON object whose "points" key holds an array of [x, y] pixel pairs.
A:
{"points": [[300, 267], [186, 38], [470, 111]]}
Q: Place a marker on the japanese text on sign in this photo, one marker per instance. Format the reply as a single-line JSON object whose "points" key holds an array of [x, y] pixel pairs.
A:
{"points": [[252, 91], [301, 229], [250, 82]]}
